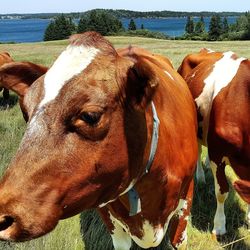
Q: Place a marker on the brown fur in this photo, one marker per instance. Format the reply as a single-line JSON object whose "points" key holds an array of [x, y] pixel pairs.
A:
{"points": [[229, 124], [18, 76], [64, 165]]}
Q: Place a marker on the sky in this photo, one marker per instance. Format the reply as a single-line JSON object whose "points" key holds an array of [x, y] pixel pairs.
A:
{"points": [[62, 6]]}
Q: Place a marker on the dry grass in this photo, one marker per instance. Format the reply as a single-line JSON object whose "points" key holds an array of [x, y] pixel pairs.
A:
{"points": [[67, 235]]}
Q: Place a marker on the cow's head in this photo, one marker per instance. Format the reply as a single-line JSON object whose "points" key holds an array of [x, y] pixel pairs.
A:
{"points": [[85, 139]]}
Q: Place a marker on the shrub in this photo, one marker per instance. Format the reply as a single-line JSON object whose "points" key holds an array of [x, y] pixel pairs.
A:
{"points": [[144, 33], [132, 25]]}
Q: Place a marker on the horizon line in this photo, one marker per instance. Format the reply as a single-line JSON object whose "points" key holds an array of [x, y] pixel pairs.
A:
{"points": [[33, 13]]}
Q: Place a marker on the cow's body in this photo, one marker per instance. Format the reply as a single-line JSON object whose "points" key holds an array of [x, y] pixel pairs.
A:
{"points": [[4, 58], [88, 142], [220, 85]]}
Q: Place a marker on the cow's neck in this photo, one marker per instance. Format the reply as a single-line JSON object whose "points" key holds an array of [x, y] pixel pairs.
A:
{"points": [[133, 196]]}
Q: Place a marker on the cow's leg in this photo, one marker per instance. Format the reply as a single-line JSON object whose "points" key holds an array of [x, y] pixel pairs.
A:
{"points": [[121, 239], [221, 193], [178, 226], [200, 176]]}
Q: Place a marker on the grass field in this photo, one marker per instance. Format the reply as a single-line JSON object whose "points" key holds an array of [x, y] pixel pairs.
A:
{"points": [[68, 234]]}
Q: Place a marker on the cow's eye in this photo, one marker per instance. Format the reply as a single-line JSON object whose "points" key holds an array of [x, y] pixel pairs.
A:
{"points": [[91, 118]]}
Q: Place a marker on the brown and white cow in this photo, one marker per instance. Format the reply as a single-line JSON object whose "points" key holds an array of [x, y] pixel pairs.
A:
{"points": [[18, 76], [4, 58], [220, 85], [90, 135]]}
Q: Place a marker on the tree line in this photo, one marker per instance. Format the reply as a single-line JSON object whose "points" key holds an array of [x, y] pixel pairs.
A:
{"points": [[61, 27], [127, 14], [219, 29]]}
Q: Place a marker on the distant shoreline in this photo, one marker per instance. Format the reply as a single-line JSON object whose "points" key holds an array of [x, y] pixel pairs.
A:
{"points": [[32, 30], [123, 14]]}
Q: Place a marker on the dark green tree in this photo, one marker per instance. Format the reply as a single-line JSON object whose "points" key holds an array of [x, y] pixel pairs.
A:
{"points": [[247, 30], [72, 25], [132, 25], [200, 26], [100, 21], [189, 28], [49, 34], [225, 26], [60, 28], [82, 25], [215, 28], [241, 24]]}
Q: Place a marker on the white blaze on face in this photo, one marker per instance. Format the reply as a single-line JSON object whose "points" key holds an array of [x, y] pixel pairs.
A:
{"points": [[71, 62], [224, 71]]}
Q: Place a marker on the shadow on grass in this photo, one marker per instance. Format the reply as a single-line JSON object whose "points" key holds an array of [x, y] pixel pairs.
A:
{"points": [[203, 211], [9, 103]]}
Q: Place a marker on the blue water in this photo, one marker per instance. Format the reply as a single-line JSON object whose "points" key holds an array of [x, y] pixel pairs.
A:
{"points": [[32, 30], [169, 26], [22, 30]]}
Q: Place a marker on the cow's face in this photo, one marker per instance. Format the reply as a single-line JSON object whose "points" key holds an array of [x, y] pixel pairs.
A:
{"points": [[84, 142]]}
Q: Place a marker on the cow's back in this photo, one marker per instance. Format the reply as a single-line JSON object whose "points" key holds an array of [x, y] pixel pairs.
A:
{"points": [[178, 116]]}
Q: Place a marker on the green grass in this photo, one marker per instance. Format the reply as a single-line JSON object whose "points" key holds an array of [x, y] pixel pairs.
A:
{"points": [[68, 235]]}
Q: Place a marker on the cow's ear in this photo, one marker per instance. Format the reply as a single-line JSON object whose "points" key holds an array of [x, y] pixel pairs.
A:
{"points": [[142, 83], [18, 76]]}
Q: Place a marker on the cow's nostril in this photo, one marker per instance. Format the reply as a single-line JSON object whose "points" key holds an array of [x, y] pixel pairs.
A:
{"points": [[5, 222]]}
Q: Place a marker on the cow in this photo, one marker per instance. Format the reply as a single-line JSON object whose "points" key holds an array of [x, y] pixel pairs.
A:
{"points": [[112, 132], [29, 73], [5, 58], [220, 85]]}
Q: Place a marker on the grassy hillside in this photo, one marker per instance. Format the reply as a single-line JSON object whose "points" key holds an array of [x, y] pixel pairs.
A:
{"points": [[67, 235]]}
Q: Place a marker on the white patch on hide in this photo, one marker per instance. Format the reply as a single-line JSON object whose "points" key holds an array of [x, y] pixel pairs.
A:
{"points": [[223, 72], [121, 239], [152, 235]]}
